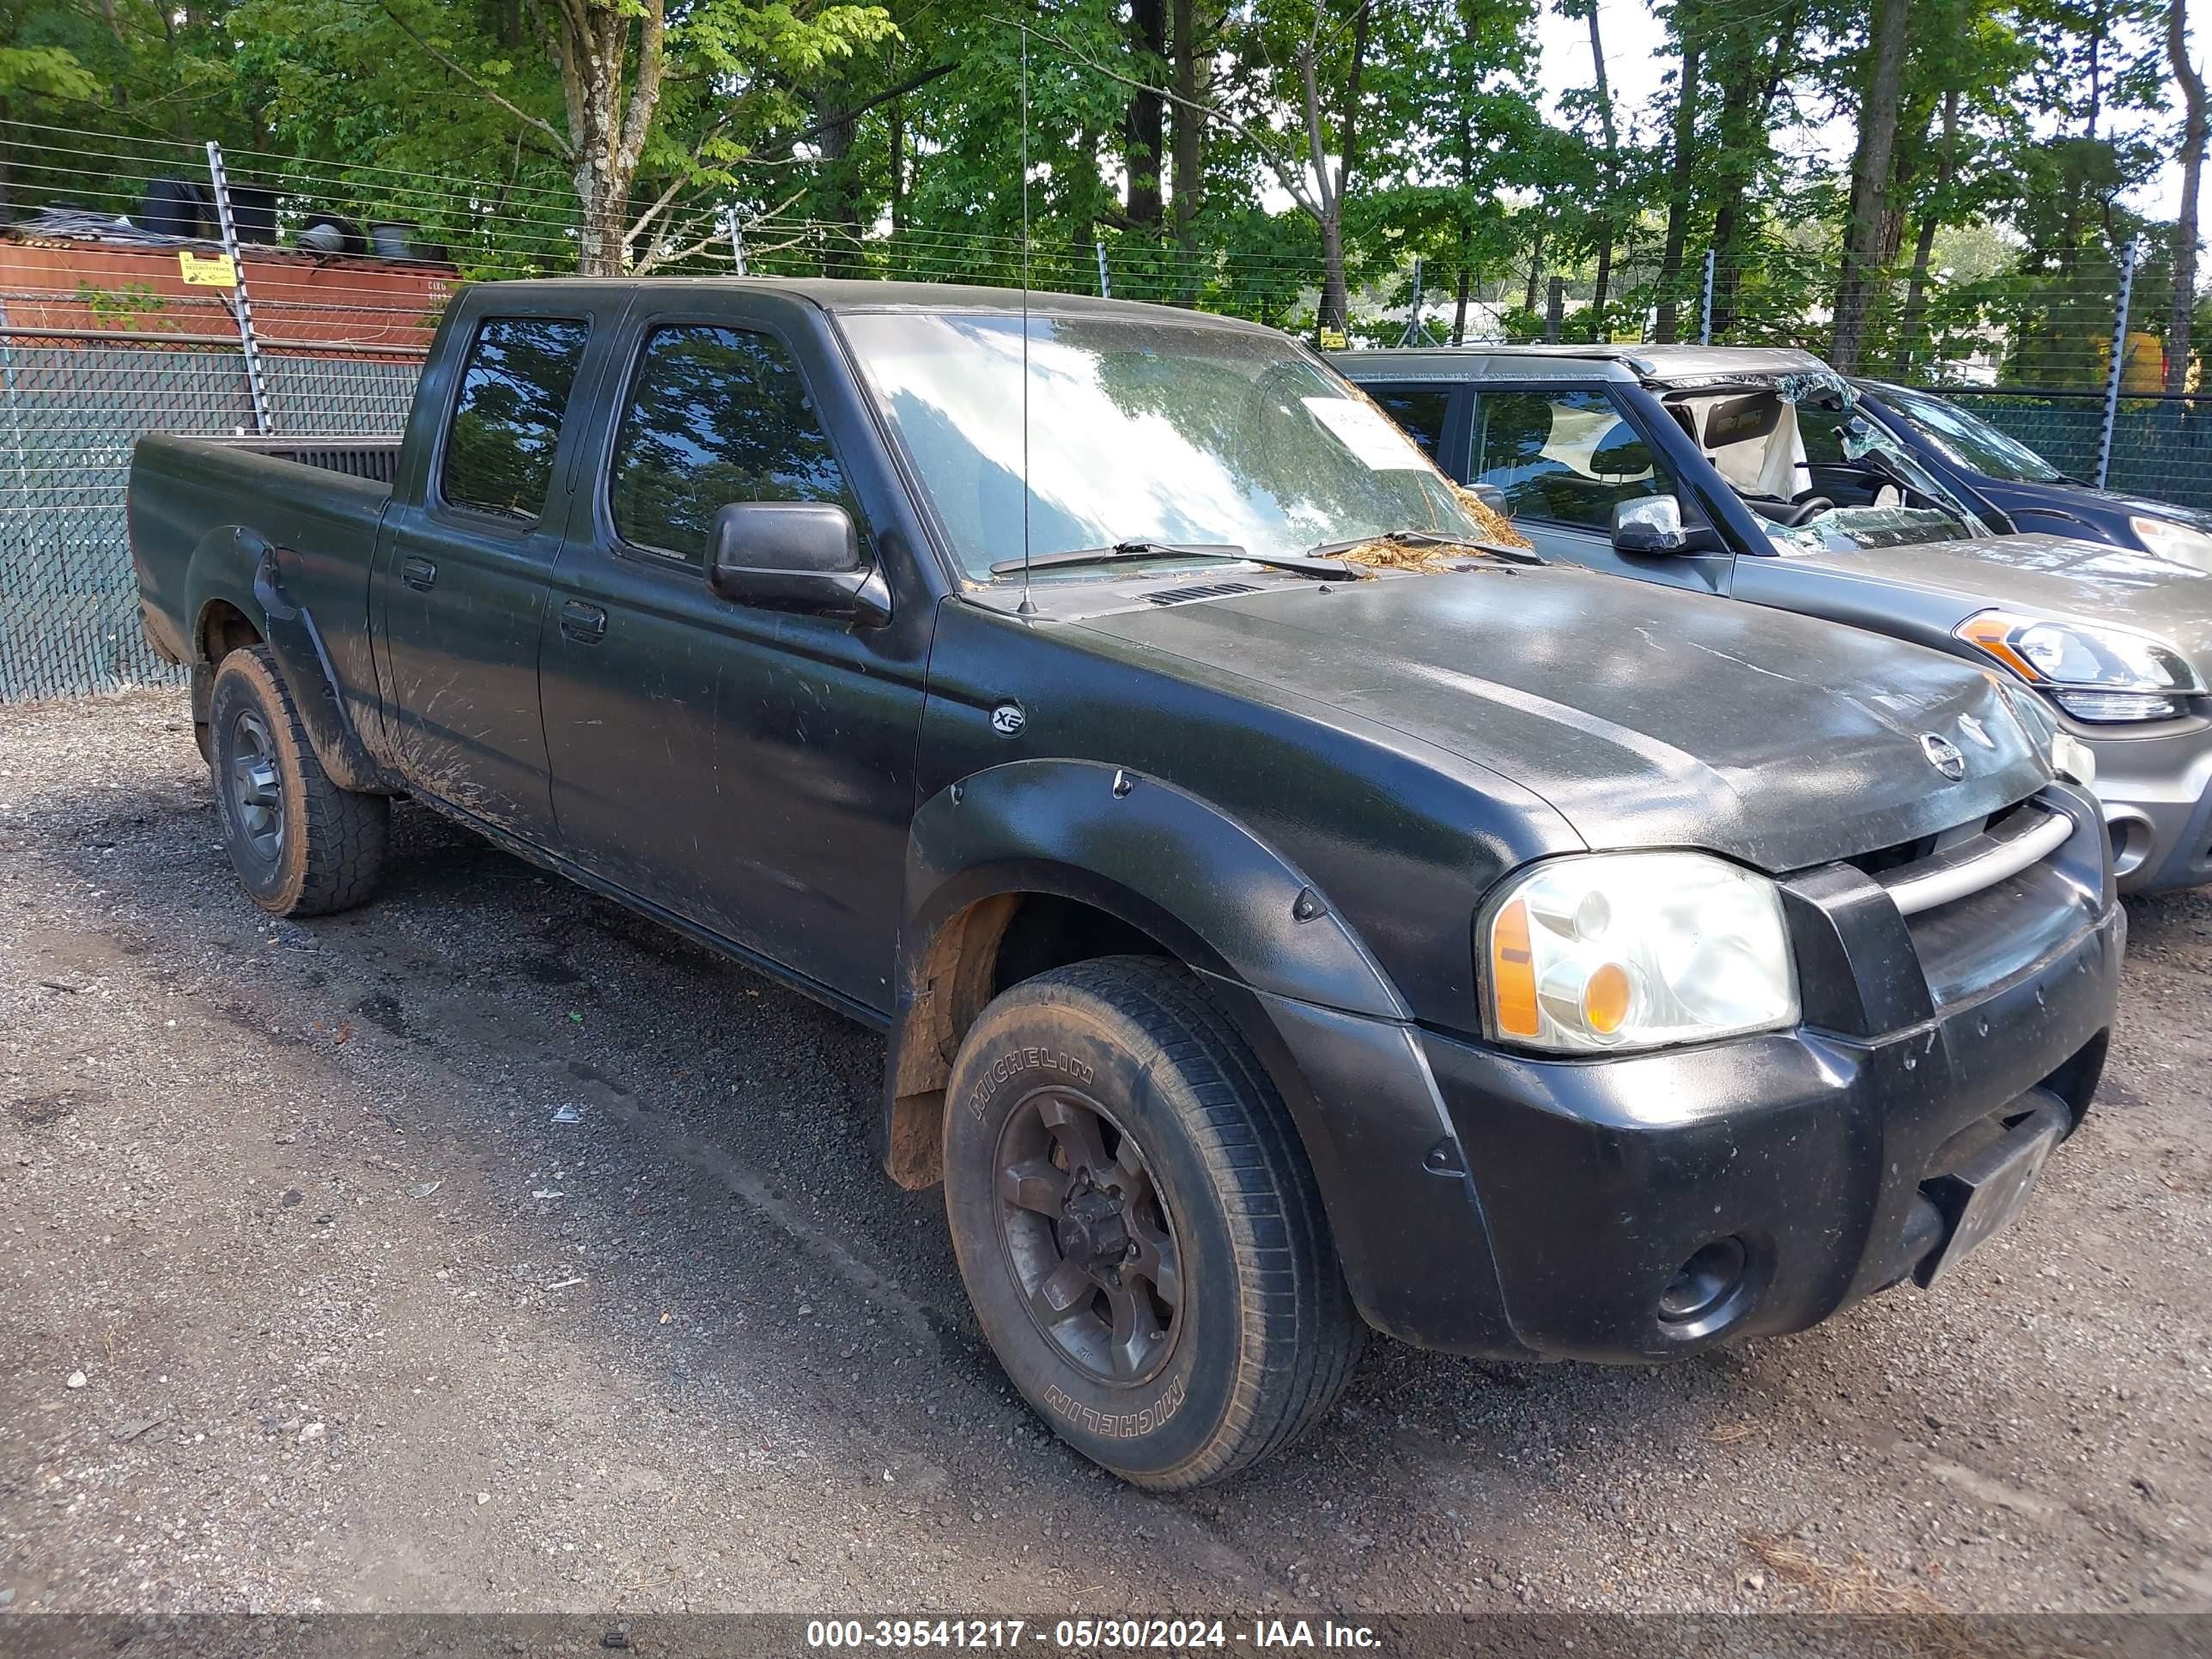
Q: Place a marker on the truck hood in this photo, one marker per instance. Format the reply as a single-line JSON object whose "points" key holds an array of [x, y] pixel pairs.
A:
{"points": [[1946, 582], [1646, 716]]}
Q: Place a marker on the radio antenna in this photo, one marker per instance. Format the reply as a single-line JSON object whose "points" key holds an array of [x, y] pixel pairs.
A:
{"points": [[1027, 607]]}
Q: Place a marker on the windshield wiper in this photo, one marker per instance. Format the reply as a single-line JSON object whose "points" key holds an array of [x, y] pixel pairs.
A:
{"points": [[1122, 552], [1427, 538]]}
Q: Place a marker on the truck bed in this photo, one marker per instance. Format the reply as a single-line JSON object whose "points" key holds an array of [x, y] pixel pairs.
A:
{"points": [[201, 509], [375, 459]]}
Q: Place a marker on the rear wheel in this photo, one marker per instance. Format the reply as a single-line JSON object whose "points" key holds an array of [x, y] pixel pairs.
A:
{"points": [[302, 846], [1137, 1225]]}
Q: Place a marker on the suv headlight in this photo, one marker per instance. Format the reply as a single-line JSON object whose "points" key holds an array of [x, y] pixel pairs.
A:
{"points": [[2182, 543], [2095, 671], [1606, 951]]}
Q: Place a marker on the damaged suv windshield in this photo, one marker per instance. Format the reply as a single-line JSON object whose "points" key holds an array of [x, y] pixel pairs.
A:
{"points": [[1820, 476]]}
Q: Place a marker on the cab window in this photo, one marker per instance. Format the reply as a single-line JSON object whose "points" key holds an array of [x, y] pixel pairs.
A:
{"points": [[1567, 457], [507, 420], [1423, 410], [715, 416]]}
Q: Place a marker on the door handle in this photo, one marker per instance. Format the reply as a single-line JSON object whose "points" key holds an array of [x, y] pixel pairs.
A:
{"points": [[419, 574], [586, 624]]}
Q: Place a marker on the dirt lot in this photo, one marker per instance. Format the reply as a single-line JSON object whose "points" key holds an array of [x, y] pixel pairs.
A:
{"points": [[307, 1300]]}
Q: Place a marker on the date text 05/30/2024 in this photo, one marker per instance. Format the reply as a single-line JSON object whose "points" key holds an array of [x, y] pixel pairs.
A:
{"points": [[1086, 1635]]}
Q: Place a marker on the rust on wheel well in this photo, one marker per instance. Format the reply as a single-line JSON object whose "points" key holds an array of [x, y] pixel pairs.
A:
{"points": [[224, 628], [993, 944]]}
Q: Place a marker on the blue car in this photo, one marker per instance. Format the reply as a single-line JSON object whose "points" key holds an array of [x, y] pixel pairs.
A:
{"points": [[2014, 483]]}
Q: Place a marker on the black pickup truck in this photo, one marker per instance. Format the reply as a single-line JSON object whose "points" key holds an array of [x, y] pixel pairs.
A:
{"points": [[1287, 912]]}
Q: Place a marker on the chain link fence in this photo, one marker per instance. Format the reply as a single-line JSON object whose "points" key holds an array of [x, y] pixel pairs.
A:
{"points": [[125, 309], [70, 409]]}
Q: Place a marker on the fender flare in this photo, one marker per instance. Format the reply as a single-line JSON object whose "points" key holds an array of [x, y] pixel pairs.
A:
{"points": [[1201, 882], [241, 568], [1211, 891]]}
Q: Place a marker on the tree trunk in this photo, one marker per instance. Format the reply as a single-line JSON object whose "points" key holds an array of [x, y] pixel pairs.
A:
{"points": [[896, 141], [1608, 179], [610, 113], [1187, 128], [1142, 125], [1734, 141], [1679, 187], [1335, 293], [2192, 171], [1459, 301], [836, 197], [1878, 112], [1535, 269], [1335, 297], [1923, 250]]}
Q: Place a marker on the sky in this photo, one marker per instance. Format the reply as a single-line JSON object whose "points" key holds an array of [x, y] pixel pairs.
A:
{"points": [[1637, 57]]}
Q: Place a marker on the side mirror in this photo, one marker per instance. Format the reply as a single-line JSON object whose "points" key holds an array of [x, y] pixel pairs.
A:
{"points": [[1650, 523], [795, 555], [1492, 497]]}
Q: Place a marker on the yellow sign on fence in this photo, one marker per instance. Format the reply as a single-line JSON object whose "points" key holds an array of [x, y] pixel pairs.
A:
{"points": [[1335, 339], [216, 271]]}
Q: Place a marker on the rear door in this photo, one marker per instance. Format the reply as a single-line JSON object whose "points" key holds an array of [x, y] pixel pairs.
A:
{"points": [[459, 587], [750, 770], [1565, 456]]}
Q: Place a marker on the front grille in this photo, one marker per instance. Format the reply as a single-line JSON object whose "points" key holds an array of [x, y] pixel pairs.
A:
{"points": [[1966, 862], [1885, 860]]}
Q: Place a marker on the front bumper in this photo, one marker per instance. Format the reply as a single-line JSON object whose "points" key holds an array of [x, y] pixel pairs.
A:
{"points": [[2156, 792], [1516, 1206]]}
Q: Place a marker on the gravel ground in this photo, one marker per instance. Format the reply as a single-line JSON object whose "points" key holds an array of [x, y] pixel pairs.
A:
{"points": [[309, 1300]]}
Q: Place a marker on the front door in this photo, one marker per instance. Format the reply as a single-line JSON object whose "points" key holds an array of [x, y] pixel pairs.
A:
{"points": [[459, 583], [750, 770], [1566, 456]]}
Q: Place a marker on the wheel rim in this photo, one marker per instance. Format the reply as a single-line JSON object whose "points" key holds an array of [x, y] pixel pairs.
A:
{"points": [[1091, 1240], [256, 785]]}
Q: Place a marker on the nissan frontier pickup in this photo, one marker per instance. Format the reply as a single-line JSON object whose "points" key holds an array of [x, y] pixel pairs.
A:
{"points": [[1287, 913]]}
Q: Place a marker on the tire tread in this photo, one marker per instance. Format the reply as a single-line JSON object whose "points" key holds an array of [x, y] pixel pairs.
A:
{"points": [[345, 833], [1301, 1335]]}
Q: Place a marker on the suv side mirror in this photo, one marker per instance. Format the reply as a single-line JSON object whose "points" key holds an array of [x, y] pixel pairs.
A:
{"points": [[1650, 524], [1492, 497], [795, 555]]}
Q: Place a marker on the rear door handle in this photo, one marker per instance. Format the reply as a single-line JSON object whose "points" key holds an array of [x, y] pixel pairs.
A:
{"points": [[419, 574], [586, 624]]}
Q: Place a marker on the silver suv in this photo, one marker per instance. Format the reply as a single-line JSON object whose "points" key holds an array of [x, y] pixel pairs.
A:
{"points": [[1751, 472]]}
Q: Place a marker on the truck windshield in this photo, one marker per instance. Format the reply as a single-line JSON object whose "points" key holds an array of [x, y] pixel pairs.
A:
{"points": [[1821, 476], [1139, 430]]}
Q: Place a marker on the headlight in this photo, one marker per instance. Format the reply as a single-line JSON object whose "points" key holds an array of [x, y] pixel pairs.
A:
{"points": [[1613, 950], [2095, 671], [2170, 540]]}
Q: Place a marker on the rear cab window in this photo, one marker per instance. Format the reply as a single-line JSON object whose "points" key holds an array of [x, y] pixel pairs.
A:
{"points": [[1566, 457], [1425, 413], [714, 415], [506, 425]]}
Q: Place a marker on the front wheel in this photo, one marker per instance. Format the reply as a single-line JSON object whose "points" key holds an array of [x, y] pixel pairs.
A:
{"points": [[1137, 1225]]}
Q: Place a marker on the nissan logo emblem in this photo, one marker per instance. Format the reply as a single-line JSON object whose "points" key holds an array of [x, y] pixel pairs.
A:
{"points": [[1943, 755]]}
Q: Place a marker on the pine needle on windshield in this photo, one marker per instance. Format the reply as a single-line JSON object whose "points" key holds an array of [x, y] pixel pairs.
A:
{"points": [[1495, 526], [1424, 556], [1427, 558]]}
